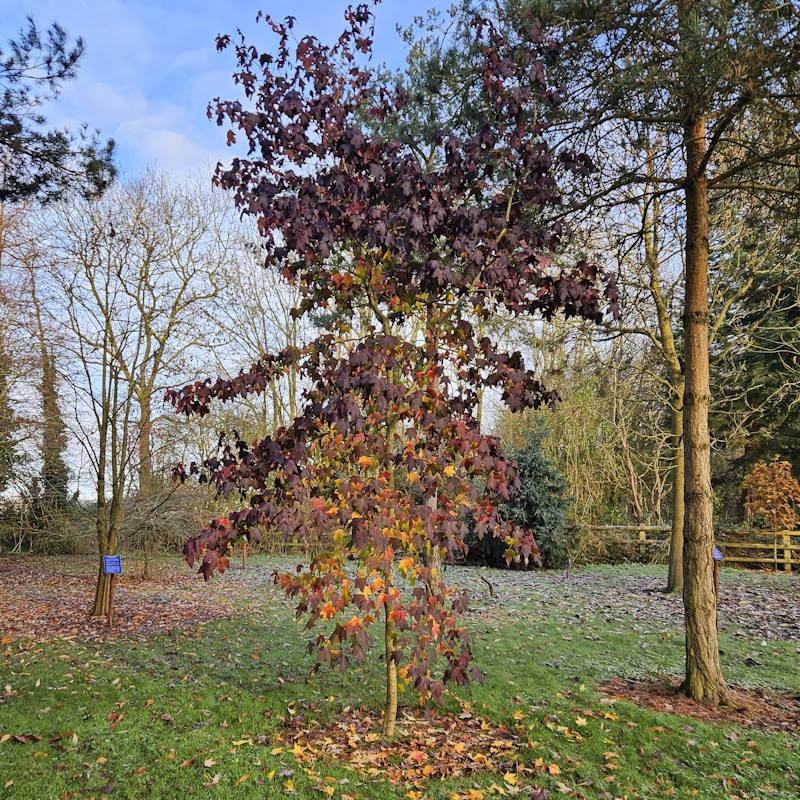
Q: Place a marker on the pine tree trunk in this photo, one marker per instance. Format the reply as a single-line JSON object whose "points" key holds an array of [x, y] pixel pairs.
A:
{"points": [[704, 680], [675, 574]]}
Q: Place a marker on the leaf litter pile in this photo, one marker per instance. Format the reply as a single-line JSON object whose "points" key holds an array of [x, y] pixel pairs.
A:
{"points": [[429, 747]]}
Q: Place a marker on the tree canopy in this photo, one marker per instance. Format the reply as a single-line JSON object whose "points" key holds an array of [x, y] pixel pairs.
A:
{"points": [[37, 162], [386, 457]]}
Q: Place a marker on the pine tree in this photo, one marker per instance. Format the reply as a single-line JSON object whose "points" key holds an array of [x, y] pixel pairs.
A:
{"points": [[39, 163]]}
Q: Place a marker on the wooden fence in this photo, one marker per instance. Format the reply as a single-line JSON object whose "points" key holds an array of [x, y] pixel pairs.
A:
{"points": [[777, 549]]}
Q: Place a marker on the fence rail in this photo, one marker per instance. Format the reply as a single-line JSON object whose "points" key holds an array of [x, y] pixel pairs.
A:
{"points": [[738, 546]]}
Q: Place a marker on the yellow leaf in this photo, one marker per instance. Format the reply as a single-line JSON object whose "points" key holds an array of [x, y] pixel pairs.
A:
{"points": [[449, 470], [243, 778], [580, 721], [405, 564], [510, 778], [554, 769], [413, 477], [288, 785], [518, 715]]}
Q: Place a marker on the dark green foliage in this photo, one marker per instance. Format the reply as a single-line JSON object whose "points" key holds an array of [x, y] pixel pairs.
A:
{"points": [[540, 505], [55, 475], [8, 456], [49, 503], [40, 163], [757, 349], [541, 502]]}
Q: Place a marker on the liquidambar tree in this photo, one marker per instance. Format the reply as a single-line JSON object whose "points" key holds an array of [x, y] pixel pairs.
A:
{"points": [[385, 458]]}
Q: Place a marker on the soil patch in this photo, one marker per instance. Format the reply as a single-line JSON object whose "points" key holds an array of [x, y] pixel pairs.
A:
{"points": [[758, 709]]}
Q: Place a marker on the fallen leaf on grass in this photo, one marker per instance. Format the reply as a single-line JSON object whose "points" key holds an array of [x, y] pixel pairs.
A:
{"points": [[22, 738]]}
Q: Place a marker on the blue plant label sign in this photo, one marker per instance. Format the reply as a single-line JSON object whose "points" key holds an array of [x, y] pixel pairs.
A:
{"points": [[112, 565], [718, 554]]}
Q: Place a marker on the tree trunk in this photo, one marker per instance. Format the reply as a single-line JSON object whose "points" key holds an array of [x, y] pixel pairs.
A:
{"points": [[102, 591], [390, 710], [147, 553], [102, 595], [144, 447], [704, 680], [675, 574]]}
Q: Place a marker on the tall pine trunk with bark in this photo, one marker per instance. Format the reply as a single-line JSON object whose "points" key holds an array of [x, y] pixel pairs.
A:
{"points": [[704, 680], [675, 572]]}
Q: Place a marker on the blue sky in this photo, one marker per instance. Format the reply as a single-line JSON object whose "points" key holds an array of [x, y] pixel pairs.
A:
{"points": [[151, 66]]}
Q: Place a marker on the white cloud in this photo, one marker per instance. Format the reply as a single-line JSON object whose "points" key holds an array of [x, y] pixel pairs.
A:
{"points": [[150, 66]]}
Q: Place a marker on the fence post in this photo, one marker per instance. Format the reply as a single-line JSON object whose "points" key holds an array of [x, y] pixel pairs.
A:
{"points": [[787, 551], [642, 547]]}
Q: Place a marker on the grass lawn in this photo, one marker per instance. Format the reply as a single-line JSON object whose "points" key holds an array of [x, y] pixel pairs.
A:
{"points": [[229, 710]]}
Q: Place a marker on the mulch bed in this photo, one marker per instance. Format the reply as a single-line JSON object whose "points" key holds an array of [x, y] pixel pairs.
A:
{"points": [[758, 709]]}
